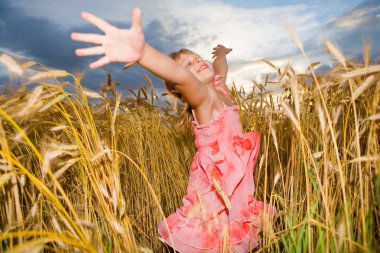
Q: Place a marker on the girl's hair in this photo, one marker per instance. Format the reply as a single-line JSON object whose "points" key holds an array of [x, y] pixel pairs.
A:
{"points": [[171, 86], [176, 56]]}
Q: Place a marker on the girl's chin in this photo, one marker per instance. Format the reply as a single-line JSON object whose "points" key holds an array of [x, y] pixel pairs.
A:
{"points": [[206, 77]]}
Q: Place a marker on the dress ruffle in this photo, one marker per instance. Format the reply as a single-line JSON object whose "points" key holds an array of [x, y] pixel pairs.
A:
{"points": [[193, 235]]}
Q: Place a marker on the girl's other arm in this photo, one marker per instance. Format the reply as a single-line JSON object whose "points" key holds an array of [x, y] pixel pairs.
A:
{"points": [[128, 45], [220, 63]]}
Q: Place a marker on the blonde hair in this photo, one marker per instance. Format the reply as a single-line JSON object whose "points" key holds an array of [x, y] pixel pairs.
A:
{"points": [[170, 86], [176, 56]]}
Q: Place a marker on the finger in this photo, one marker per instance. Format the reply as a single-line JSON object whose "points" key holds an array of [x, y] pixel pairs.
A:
{"points": [[90, 51], [99, 63], [136, 19], [98, 22], [88, 37]]}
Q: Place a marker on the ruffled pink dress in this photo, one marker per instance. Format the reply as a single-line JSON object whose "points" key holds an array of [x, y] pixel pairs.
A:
{"points": [[219, 212]]}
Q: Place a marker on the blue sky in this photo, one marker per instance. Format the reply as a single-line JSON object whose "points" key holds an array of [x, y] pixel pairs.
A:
{"points": [[40, 30]]}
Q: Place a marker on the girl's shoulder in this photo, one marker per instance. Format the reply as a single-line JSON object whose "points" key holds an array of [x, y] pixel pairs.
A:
{"points": [[222, 90], [218, 95]]}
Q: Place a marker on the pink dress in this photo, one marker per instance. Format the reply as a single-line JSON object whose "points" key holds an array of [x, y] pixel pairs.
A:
{"points": [[219, 213]]}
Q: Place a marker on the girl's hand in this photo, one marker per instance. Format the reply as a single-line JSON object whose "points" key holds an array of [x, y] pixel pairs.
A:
{"points": [[220, 50], [117, 45]]}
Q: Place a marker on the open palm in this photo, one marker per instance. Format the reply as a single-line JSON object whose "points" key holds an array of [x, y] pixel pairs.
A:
{"points": [[117, 45]]}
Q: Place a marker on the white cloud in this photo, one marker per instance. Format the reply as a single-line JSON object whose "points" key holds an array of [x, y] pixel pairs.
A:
{"points": [[356, 18], [252, 33]]}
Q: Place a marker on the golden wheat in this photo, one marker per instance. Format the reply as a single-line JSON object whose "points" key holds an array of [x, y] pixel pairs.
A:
{"points": [[100, 177]]}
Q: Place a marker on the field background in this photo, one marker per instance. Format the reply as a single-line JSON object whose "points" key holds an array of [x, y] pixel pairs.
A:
{"points": [[87, 171]]}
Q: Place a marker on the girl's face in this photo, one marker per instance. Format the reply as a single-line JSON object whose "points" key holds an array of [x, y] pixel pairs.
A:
{"points": [[201, 69]]}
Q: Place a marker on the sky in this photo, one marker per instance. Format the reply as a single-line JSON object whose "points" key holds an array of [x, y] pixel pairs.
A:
{"points": [[40, 30]]}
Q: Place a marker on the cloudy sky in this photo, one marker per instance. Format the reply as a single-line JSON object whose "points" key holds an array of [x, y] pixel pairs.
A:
{"points": [[40, 30]]}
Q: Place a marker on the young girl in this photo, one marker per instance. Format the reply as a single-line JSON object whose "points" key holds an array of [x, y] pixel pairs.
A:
{"points": [[219, 213]]}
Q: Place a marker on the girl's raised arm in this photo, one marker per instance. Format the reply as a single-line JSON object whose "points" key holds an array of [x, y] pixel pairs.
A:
{"points": [[128, 45], [220, 63]]}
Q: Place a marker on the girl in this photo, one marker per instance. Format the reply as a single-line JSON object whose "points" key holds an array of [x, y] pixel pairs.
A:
{"points": [[219, 213]]}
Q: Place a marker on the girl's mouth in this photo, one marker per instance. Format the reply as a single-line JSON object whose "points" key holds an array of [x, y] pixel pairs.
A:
{"points": [[202, 67]]}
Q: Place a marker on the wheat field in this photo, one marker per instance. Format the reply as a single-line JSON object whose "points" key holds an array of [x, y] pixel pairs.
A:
{"points": [[87, 171]]}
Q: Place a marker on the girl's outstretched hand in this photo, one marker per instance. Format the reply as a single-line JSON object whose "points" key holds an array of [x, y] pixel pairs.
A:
{"points": [[117, 45], [220, 50]]}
